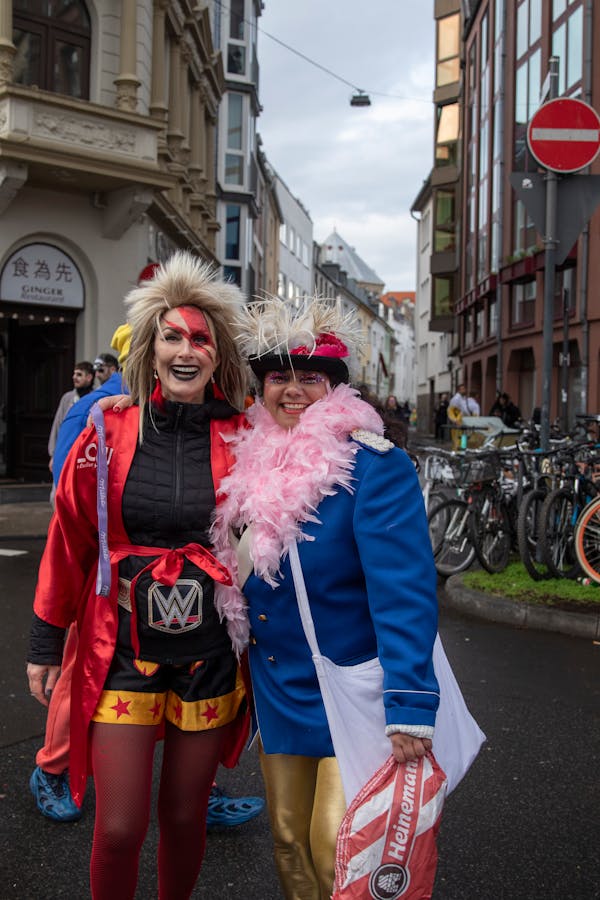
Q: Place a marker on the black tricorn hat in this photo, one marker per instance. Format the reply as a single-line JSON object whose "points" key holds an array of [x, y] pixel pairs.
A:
{"points": [[276, 336]]}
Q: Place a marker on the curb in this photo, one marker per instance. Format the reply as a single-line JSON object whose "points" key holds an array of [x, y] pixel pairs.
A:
{"points": [[520, 614]]}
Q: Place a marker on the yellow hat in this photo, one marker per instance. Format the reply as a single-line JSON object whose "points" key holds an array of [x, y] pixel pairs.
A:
{"points": [[121, 342]]}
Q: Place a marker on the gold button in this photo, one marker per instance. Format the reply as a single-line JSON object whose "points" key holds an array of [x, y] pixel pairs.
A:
{"points": [[252, 640], [271, 659], [262, 618]]}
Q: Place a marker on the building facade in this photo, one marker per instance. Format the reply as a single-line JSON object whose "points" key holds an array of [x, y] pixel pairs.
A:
{"points": [[434, 362], [295, 246], [499, 303], [239, 248], [397, 308], [108, 115]]}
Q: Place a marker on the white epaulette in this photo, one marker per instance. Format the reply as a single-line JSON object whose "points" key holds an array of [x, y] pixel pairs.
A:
{"points": [[371, 441]]}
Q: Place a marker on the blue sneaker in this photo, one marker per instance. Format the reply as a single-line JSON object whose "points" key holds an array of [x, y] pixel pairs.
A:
{"points": [[229, 811], [53, 796]]}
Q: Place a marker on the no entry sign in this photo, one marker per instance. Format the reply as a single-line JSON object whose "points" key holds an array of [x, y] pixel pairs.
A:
{"points": [[564, 135]]}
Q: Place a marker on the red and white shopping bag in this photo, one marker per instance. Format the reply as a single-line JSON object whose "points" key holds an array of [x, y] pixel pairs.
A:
{"points": [[386, 846]]}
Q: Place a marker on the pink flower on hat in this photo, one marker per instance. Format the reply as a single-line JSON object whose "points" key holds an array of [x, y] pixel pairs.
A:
{"points": [[325, 345]]}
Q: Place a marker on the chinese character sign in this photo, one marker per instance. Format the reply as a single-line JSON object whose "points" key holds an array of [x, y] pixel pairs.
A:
{"points": [[44, 275]]}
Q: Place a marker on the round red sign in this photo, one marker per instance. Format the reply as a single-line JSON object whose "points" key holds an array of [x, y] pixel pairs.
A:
{"points": [[564, 135]]}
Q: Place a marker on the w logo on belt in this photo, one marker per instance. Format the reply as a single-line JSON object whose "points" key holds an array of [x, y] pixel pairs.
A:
{"points": [[175, 609]]}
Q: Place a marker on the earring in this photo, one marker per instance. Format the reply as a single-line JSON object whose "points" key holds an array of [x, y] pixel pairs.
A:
{"points": [[212, 379], [155, 373]]}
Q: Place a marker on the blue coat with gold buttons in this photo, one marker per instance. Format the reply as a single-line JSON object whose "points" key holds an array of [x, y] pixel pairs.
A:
{"points": [[371, 584]]}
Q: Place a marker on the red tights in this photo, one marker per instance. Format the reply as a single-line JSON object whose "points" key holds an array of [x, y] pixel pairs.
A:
{"points": [[122, 757]]}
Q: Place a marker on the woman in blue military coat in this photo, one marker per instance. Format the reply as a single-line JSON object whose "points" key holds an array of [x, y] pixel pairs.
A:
{"points": [[314, 468]]}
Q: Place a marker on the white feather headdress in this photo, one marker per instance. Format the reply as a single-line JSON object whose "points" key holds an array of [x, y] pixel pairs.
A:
{"points": [[318, 330]]}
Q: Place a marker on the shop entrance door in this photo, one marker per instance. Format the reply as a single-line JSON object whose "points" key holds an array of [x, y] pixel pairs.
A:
{"points": [[36, 364]]}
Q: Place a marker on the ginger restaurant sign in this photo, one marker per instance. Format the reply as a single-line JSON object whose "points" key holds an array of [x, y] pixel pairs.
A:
{"points": [[43, 275]]}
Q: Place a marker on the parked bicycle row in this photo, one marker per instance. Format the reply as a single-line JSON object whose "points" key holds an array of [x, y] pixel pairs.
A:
{"points": [[490, 504]]}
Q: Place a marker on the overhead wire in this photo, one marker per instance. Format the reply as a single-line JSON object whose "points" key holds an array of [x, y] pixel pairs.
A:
{"points": [[323, 68]]}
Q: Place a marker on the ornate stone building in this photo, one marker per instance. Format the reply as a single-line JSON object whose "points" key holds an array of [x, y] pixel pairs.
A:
{"points": [[108, 117]]}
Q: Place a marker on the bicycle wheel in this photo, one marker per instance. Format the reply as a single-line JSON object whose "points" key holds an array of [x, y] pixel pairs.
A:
{"points": [[557, 534], [528, 534], [490, 533], [449, 533], [587, 539]]}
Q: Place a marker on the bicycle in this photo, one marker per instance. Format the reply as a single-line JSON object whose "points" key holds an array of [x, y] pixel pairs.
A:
{"points": [[449, 530], [561, 509], [587, 539]]}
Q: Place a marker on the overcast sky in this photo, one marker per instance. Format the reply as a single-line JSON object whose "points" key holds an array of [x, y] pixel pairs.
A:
{"points": [[358, 169]]}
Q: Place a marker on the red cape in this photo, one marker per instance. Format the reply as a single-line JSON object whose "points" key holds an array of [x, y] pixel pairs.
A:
{"points": [[66, 589]]}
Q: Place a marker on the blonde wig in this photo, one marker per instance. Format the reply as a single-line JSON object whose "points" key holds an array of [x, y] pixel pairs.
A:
{"points": [[184, 280]]}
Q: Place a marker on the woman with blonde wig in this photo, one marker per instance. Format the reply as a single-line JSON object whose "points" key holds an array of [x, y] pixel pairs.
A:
{"points": [[128, 556]]}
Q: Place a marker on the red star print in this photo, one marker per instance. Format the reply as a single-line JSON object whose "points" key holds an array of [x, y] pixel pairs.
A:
{"points": [[211, 712], [178, 710], [121, 707], [156, 709]]}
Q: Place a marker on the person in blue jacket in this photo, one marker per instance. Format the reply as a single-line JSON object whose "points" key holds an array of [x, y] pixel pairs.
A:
{"points": [[314, 468]]}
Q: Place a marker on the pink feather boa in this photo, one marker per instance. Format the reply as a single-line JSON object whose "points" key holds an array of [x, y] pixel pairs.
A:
{"points": [[280, 477]]}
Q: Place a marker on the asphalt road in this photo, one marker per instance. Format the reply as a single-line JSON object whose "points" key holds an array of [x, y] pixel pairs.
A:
{"points": [[522, 826]]}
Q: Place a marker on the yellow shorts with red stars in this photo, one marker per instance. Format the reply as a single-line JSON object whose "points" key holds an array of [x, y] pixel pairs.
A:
{"points": [[196, 696]]}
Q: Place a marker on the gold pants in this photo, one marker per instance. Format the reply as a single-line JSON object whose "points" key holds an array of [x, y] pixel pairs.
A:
{"points": [[306, 804]]}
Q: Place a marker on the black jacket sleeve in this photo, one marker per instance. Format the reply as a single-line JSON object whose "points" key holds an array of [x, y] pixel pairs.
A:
{"points": [[46, 643]]}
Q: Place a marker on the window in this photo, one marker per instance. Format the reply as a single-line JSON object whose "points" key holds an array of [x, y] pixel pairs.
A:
{"points": [[282, 233], [236, 48], [479, 319], [564, 293], [233, 274], [492, 325], [443, 296], [234, 157], [446, 141], [567, 44], [448, 42], [467, 328], [522, 304], [52, 38], [445, 220], [527, 92], [232, 232]]}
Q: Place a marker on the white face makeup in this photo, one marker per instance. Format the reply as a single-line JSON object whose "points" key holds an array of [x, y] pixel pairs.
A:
{"points": [[185, 354]]}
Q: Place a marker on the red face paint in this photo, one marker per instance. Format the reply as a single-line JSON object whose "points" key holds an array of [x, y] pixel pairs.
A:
{"points": [[197, 332]]}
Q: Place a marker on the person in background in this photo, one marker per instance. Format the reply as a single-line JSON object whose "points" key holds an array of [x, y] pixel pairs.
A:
{"points": [[142, 671], [497, 407], [473, 404], [105, 365], [506, 410], [459, 401], [83, 383], [441, 418], [315, 468], [395, 420], [49, 782], [511, 413], [457, 408]]}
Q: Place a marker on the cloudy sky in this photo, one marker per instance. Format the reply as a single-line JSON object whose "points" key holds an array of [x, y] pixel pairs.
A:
{"points": [[358, 169]]}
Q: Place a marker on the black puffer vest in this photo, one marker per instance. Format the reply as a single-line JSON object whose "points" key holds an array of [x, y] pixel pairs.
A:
{"points": [[167, 502]]}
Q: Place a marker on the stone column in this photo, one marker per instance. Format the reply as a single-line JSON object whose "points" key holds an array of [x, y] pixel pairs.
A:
{"points": [[174, 127], [7, 48], [158, 103], [197, 159], [197, 137], [127, 82]]}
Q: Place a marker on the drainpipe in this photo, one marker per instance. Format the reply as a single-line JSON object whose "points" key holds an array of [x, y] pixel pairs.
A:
{"points": [[501, 10], [588, 23]]}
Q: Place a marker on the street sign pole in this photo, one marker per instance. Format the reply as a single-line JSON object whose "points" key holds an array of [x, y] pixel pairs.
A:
{"points": [[550, 244]]}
